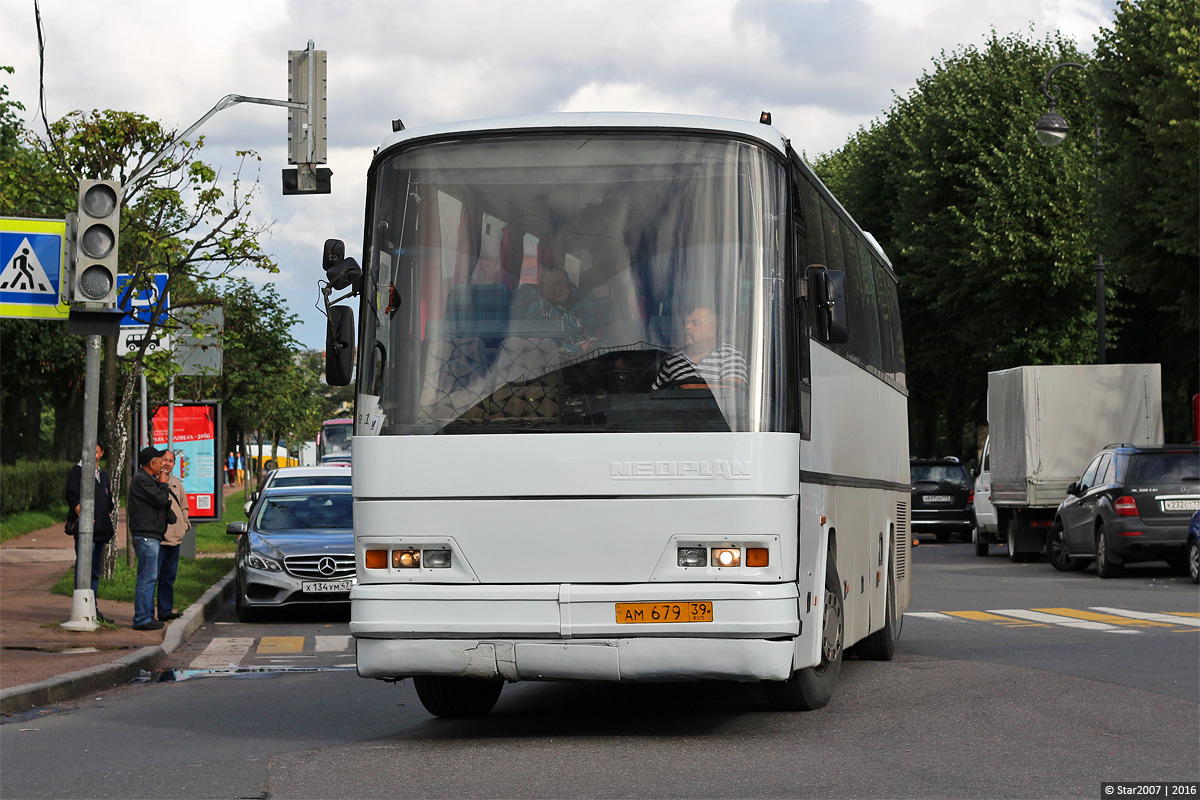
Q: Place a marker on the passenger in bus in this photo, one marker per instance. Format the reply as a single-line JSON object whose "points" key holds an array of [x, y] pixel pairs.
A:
{"points": [[555, 289], [702, 362]]}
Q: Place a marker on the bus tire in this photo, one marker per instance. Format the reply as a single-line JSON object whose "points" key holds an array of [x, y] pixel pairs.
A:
{"points": [[881, 645], [457, 698], [812, 687]]}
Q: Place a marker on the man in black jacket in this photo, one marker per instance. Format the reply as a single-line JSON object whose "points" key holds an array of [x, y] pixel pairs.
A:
{"points": [[149, 511], [102, 527]]}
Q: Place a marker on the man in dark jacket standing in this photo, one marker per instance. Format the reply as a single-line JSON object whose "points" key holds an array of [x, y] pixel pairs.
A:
{"points": [[149, 514], [102, 527]]}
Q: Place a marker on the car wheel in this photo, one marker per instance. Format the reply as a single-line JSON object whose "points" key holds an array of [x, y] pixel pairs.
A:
{"points": [[981, 544], [457, 698], [244, 612], [881, 645], [1057, 553], [1105, 566], [1194, 560]]}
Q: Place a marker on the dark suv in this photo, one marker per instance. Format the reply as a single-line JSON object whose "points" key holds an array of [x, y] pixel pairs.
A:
{"points": [[943, 498], [1131, 504]]}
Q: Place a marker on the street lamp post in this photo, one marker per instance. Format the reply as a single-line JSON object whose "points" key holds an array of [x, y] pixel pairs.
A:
{"points": [[1051, 130]]}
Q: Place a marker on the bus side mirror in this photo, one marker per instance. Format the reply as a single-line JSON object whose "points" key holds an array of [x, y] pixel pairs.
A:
{"points": [[341, 272], [828, 290], [339, 346]]}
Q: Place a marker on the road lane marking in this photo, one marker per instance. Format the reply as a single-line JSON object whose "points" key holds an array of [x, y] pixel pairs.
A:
{"points": [[984, 616], [332, 644], [1111, 619], [1173, 619], [275, 645], [1055, 619], [928, 615], [223, 652]]}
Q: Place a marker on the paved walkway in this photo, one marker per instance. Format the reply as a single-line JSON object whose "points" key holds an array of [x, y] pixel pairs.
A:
{"points": [[36, 651]]}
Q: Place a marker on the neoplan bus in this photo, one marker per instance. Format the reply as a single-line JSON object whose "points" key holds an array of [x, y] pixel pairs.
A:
{"points": [[333, 444], [543, 490]]}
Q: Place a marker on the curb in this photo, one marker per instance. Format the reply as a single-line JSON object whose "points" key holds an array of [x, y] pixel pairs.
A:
{"points": [[103, 676]]}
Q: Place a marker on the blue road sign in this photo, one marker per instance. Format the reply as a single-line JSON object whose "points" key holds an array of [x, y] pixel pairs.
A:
{"points": [[31, 267], [139, 305]]}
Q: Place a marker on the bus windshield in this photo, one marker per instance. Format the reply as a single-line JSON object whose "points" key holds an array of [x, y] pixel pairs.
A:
{"points": [[575, 282]]}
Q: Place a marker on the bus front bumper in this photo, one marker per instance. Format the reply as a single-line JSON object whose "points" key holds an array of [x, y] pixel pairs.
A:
{"points": [[570, 632]]}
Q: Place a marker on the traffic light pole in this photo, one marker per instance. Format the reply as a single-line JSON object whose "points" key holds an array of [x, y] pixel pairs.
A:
{"points": [[83, 601]]}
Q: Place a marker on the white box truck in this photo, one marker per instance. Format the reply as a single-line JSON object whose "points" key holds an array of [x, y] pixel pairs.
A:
{"points": [[1044, 424]]}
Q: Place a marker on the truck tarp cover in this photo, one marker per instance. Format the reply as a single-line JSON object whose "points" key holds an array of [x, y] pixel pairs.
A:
{"points": [[1047, 422]]}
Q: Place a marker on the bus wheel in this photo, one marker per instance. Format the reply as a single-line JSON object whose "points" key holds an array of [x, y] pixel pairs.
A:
{"points": [[456, 698], [881, 645], [812, 687]]}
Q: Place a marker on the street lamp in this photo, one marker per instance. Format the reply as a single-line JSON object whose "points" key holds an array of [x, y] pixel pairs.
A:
{"points": [[1051, 130]]}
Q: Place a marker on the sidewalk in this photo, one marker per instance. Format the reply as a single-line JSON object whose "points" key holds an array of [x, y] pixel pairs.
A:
{"points": [[42, 663]]}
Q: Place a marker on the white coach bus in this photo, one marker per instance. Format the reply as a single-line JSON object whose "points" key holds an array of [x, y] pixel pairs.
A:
{"points": [[630, 406]]}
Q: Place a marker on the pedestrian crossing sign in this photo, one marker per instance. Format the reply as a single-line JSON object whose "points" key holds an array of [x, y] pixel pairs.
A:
{"points": [[32, 258]]}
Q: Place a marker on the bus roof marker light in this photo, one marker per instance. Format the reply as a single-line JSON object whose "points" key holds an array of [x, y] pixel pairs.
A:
{"points": [[764, 118]]}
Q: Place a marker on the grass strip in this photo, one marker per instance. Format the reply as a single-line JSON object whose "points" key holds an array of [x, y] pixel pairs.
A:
{"points": [[211, 536], [15, 525], [196, 576]]}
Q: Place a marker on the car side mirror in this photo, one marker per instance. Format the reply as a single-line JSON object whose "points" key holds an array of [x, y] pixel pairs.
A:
{"points": [[827, 287], [236, 528], [1073, 488]]}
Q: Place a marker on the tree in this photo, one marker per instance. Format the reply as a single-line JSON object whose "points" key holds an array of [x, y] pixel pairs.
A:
{"points": [[1147, 84], [982, 225]]}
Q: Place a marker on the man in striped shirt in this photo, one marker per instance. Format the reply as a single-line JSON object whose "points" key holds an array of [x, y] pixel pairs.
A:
{"points": [[702, 361]]}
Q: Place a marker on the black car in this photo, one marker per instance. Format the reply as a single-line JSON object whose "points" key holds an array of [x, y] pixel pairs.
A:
{"points": [[943, 498], [1131, 504]]}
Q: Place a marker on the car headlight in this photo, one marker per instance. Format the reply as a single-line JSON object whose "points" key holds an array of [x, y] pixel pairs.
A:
{"points": [[266, 564]]}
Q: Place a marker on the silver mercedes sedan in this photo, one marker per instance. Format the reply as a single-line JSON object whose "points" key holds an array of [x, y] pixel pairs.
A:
{"points": [[297, 549]]}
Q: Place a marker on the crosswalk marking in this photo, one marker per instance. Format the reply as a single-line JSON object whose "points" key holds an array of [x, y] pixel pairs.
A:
{"points": [[984, 616], [1097, 618], [223, 652], [331, 644], [1174, 619], [280, 645]]}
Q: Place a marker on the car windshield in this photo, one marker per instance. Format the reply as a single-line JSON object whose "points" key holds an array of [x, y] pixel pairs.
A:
{"points": [[301, 512], [1160, 467], [311, 480], [940, 473]]}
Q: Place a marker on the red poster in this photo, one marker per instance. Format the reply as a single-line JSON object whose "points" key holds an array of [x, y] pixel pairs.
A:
{"points": [[195, 446]]}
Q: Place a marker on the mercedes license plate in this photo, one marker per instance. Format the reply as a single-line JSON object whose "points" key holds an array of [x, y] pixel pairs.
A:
{"points": [[936, 498], [328, 587], [1181, 505], [691, 611]]}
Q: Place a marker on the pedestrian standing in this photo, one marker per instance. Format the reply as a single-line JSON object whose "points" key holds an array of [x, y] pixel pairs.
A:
{"points": [[168, 551], [231, 469], [149, 514], [102, 527], [241, 469]]}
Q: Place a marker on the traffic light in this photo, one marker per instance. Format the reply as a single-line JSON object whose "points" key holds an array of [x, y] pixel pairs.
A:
{"points": [[93, 260]]}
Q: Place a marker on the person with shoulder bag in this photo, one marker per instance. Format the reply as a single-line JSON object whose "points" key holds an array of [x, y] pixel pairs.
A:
{"points": [[168, 551], [149, 515], [102, 527]]}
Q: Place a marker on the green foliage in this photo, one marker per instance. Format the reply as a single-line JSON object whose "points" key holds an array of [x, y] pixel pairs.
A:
{"points": [[1147, 84], [986, 228], [211, 536], [196, 576], [32, 485]]}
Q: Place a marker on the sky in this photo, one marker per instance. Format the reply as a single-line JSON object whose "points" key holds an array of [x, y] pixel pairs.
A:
{"points": [[822, 67]]}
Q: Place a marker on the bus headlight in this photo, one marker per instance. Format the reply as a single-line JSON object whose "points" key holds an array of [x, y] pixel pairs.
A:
{"points": [[406, 559], [727, 557], [693, 557], [436, 559]]}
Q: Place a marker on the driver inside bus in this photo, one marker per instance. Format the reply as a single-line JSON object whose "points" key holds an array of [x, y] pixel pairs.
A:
{"points": [[702, 363]]}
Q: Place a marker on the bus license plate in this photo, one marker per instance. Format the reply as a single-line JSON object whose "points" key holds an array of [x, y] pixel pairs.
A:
{"points": [[691, 611], [327, 587], [1181, 505], [937, 498]]}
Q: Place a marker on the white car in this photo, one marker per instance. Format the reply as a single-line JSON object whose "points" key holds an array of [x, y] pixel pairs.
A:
{"points": [[331, 475]]}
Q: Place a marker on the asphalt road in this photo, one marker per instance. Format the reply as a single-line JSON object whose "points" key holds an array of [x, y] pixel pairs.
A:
{"points": [[972, 707]]}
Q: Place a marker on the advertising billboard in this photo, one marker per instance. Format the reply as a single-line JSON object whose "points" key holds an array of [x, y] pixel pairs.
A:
{"points": [[196, 454]]}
